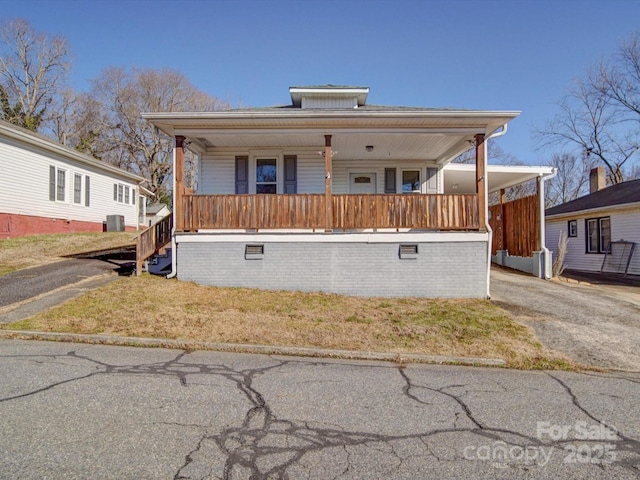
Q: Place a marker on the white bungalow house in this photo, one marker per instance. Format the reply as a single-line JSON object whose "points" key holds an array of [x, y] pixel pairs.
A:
{"points": [[331, 194], [46, 187], [605, 223]]}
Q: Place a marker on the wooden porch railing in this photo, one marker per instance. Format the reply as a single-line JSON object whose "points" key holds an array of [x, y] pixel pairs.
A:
{"points": [[152, 239], [307, 211]]}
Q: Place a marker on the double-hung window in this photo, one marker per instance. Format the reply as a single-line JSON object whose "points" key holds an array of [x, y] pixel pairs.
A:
{"points": [[61, 185], [123, 194], [57, 184], [598, 234], [266, 175], [77, 188]]}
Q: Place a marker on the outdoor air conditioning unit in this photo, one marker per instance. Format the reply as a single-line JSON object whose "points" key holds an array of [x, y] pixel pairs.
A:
{"points": [[115, 223]]}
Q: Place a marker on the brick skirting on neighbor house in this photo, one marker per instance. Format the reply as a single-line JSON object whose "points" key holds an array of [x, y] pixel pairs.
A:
{"points": [[12, 225]]}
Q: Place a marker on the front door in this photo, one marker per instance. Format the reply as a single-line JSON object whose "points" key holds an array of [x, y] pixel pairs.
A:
{"points": [[361, 183]]}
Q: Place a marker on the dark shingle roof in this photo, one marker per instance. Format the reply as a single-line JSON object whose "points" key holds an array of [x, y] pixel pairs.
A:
{"points": [[626, 192]]}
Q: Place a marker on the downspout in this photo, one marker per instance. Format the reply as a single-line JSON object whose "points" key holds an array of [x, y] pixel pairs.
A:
{"points": [[486, 202], [174, 270], [546, 255]]}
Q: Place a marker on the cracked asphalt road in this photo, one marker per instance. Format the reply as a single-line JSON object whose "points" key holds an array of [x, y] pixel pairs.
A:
{"points": [[92, 411]]}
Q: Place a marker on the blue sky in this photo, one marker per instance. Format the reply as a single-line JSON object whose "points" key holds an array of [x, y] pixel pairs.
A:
{"points": [[482, 54]]}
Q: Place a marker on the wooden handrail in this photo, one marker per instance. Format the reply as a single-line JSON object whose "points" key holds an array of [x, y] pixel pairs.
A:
{"points": [[151, 240]]}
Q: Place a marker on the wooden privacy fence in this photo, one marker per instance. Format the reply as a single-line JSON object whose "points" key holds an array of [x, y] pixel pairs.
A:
{"points": [[308, 211], [516, 226]]}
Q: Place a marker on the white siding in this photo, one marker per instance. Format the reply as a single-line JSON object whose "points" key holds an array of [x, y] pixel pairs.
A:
{"points": [[625, 225], [218, 174], [24, 186], [218, 171]]}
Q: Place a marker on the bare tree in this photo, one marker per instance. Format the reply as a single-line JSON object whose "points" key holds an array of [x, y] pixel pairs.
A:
{"points": [[495, 155], [619, 80], [33, 68], [111, 128], [599, 116], [571, 180]]}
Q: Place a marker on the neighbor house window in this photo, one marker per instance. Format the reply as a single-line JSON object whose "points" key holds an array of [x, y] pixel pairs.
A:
{"points": [[57, 184], [266, 175], [411, 181], [598, 234], [77, 188], [122, 194], [572, 227], [61, 185]]}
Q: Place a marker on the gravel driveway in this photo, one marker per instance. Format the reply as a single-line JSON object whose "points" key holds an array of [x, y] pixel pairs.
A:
{"points": [[596, 325]]}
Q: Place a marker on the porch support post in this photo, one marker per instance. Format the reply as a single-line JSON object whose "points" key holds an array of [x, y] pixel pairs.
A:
{"points": [[328, 168], [178, 187], [481, 181]]}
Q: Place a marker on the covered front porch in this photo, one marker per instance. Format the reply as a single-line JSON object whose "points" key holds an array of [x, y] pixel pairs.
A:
{"points": [[329, 212]]}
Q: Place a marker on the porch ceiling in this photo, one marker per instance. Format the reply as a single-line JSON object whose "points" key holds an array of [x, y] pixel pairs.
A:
{"points": [[431, 135], [461, 178]]}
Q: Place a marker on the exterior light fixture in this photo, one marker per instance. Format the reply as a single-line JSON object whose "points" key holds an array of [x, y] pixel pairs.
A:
{"points": [[369, 148]]}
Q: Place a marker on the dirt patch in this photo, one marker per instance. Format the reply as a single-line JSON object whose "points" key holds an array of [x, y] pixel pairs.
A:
{"points": [[592, 324]]}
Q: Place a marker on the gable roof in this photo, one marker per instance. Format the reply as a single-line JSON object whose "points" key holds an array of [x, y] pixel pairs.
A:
{"points": [[154, 208], [24, 136], [620, 194]]}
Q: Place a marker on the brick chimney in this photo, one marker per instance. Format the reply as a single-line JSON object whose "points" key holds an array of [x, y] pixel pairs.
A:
{"points": [[597, 180]]}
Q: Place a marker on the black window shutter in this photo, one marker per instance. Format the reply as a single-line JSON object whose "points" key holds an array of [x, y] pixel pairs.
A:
{"points": [[432, 180], [290, 174], [87, 189], [52, 183], [389, 180], [242, 174]]}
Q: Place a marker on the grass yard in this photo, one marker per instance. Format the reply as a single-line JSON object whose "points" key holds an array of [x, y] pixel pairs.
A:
{"points": [[149, 306], [32, 251]]}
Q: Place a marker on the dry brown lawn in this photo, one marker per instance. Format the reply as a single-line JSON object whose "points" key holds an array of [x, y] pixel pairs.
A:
{"points": [[155, 307], [35, 250]]}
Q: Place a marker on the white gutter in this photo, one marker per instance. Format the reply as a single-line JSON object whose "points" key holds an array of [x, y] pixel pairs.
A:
{"points": [[174, 270], [546, 255]]}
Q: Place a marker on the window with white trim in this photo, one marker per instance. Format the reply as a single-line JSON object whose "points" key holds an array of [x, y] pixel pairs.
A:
{"points": [[598, 234], [572, 228], [266, 175], [122, 194], [57, 184], [77, 188], [411, 181], [61, 184]]}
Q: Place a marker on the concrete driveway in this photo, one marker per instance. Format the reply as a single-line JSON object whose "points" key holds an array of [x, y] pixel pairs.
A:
{"points": [[594, 324]]}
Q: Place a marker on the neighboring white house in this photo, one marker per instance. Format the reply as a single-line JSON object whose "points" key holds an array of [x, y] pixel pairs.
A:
{"points": [[329, 193], [155, 212], [46, 187], [607, 216]]}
